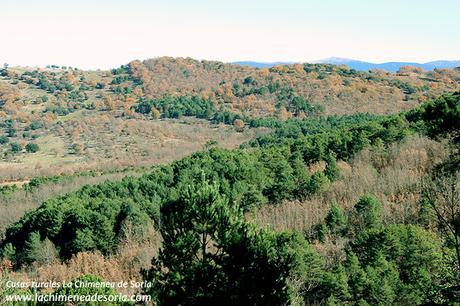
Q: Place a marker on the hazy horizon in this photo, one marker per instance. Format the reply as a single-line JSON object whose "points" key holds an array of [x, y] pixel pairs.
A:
{"points": [[105, 34]]}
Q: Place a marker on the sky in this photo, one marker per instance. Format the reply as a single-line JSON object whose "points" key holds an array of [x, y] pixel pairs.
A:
{"points": [[101, 34]]}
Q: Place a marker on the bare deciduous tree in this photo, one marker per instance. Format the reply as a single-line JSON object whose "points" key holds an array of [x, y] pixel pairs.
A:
{"points": [[443, 193]]}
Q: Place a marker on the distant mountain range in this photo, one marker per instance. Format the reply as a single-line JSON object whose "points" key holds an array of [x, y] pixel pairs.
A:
{"points": [[361, 65]]}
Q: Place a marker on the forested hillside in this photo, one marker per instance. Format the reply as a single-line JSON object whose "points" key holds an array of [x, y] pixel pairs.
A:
{"points": [[62, 120], [314, 207], [146, 160], [297, 184], [293, 90]]}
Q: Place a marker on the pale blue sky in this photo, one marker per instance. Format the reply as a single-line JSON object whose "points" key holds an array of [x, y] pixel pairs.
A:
{"points": [[108, 33]]}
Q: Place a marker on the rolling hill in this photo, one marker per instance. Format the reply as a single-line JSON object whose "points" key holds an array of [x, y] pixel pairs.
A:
{"points": [[83, 120]]}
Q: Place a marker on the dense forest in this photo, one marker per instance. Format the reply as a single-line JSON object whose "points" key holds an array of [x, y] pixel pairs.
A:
{"points": [[399, 247]]}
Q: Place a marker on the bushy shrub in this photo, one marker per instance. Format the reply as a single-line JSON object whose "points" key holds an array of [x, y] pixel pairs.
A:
{"points": [[32, 147], [3, 139], [16, 147]]}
